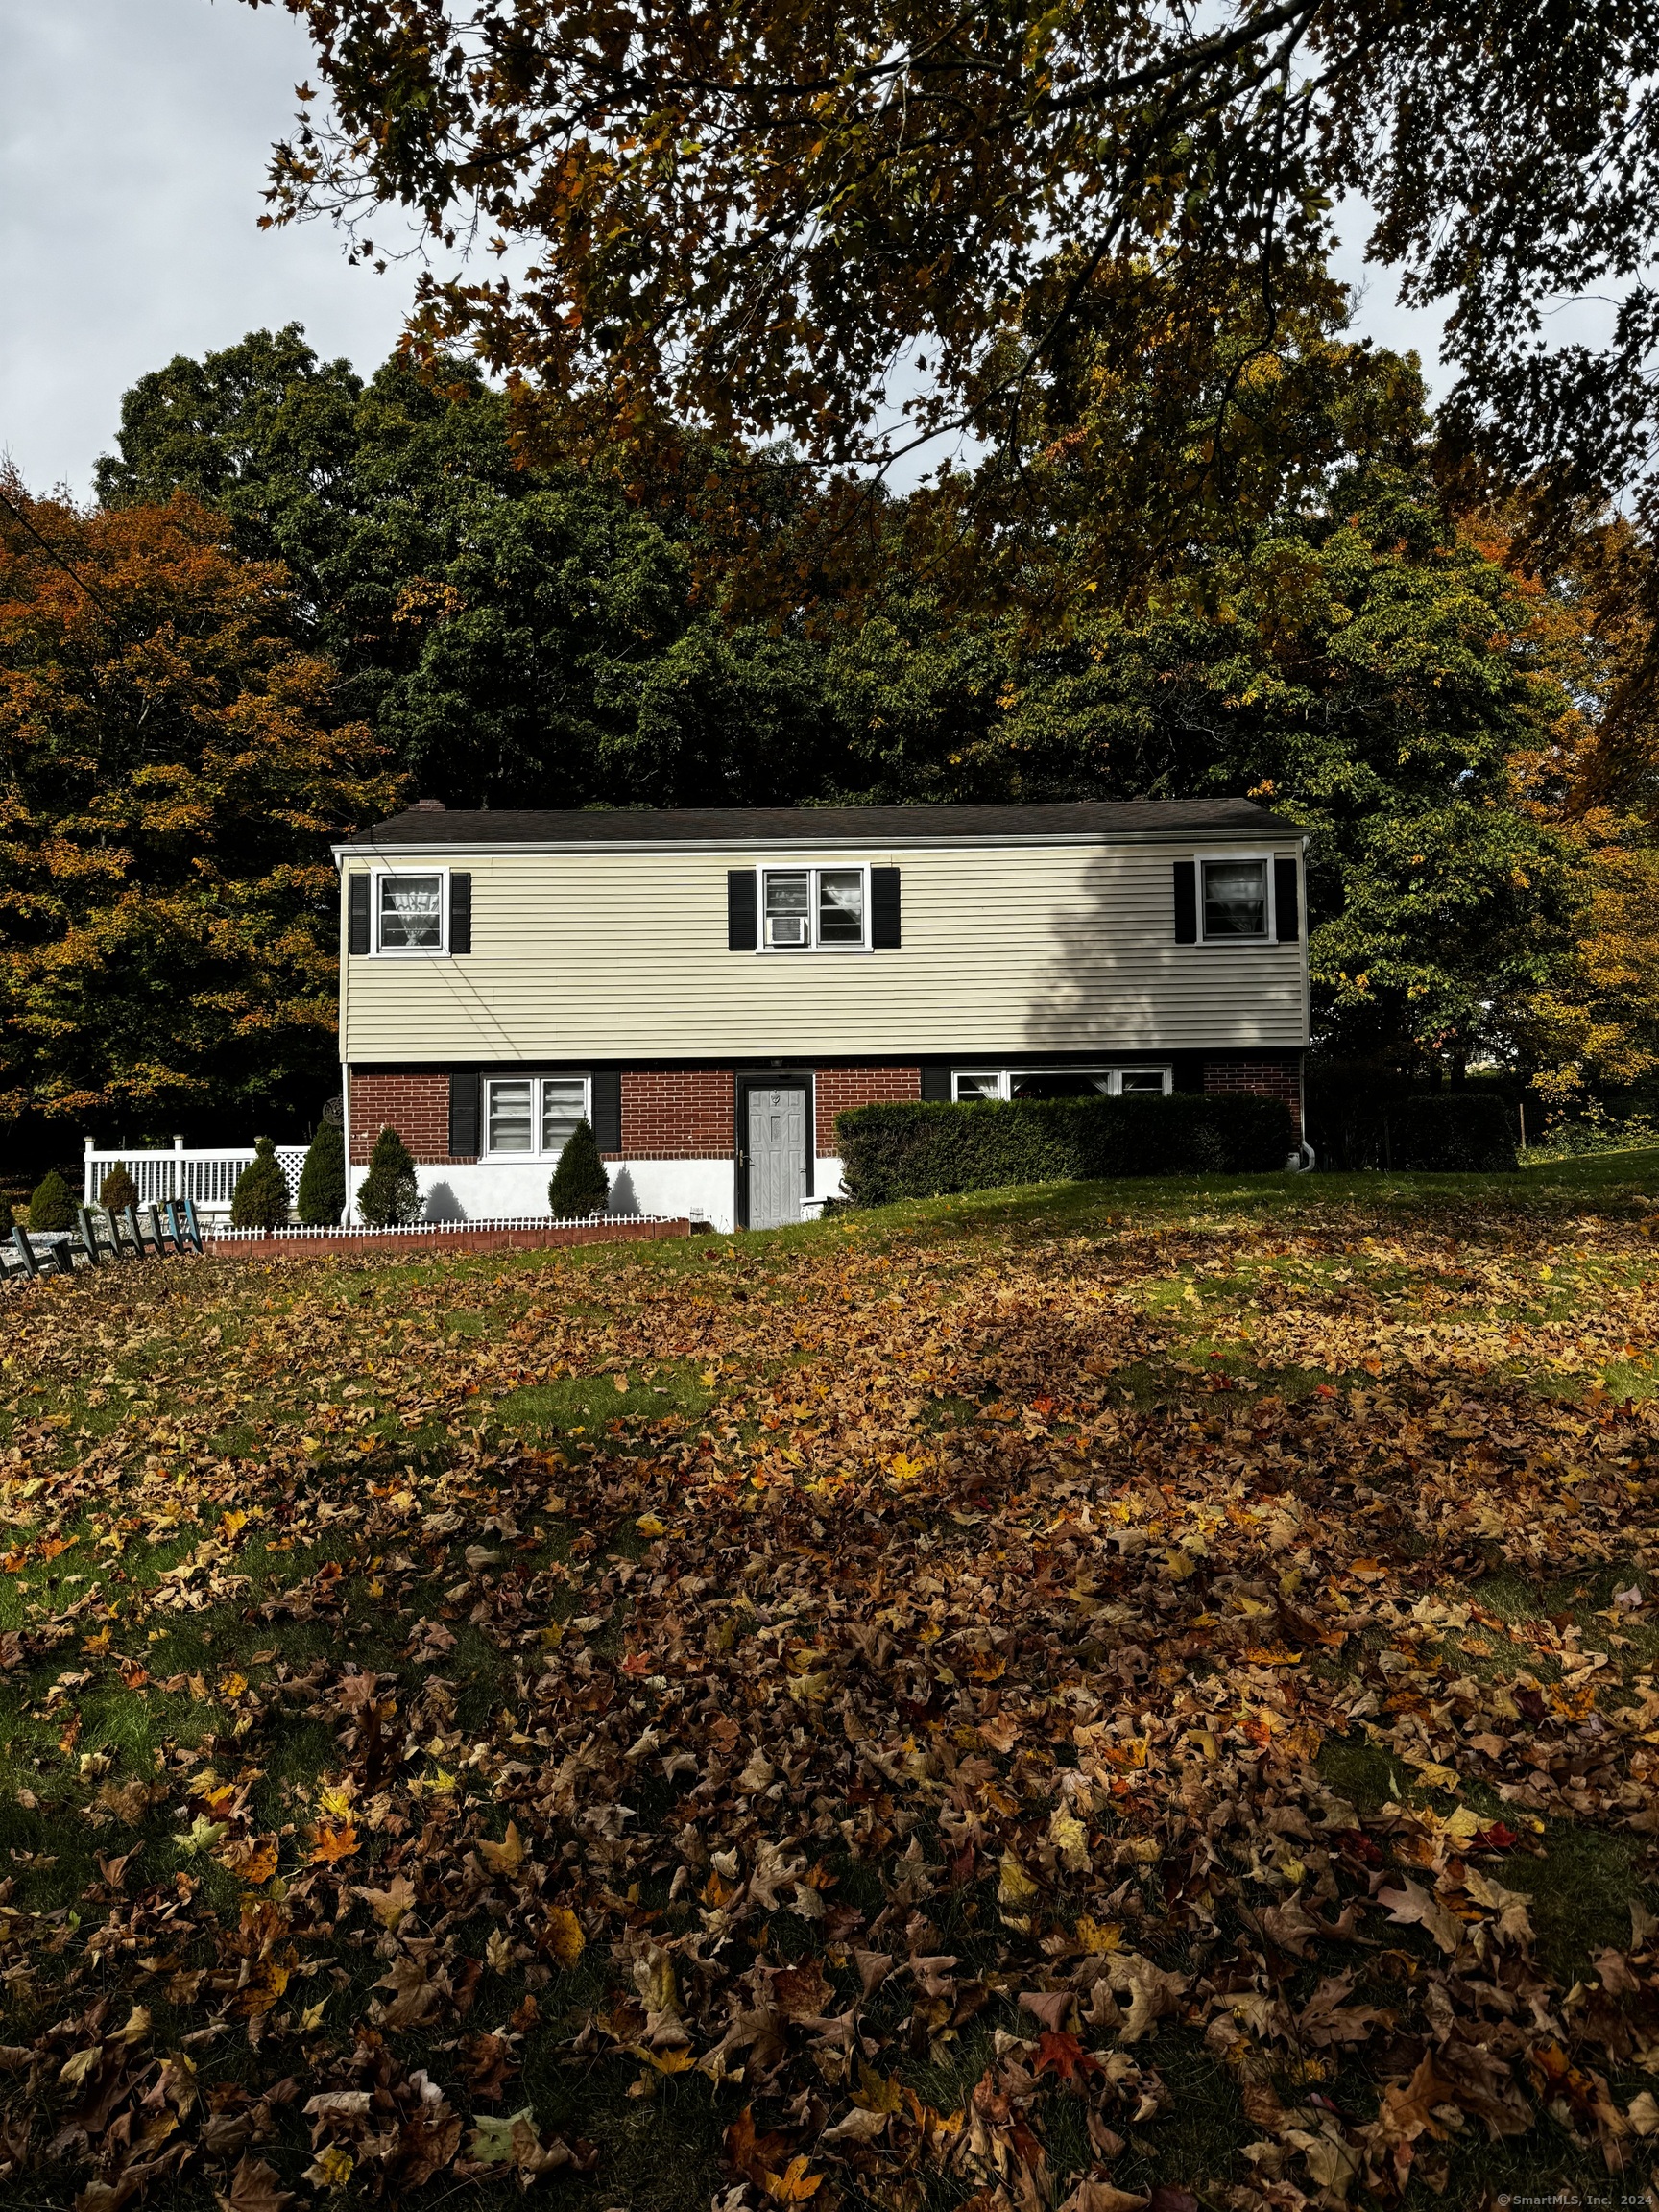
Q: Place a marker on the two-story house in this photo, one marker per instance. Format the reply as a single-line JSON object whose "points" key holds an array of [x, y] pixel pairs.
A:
{"points": [[710, 989]]}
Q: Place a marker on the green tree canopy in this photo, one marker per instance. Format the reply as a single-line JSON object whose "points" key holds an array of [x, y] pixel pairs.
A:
{"points": [[520, 636]]}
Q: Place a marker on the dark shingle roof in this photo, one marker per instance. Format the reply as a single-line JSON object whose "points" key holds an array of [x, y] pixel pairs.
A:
{"points": [[1103, 818]]}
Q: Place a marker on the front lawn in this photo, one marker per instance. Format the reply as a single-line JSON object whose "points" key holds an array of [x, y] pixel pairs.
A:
{"points": [[1073, 1697]]}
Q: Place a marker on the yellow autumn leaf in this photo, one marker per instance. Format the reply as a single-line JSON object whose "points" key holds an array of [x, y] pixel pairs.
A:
{"points": [[1097, 1936], [564, 1938], [506, 1857], [1014, 1886], [392, 1904], [877, 2092], [794, 2185], [332, 2167]]}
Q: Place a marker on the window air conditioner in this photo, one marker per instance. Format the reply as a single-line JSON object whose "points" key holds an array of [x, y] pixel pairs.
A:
{"points": [[786, 929]]}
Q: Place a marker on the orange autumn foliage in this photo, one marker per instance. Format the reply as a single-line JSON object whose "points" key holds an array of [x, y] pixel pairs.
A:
{"points": [[1597, 781], [174, 770]]}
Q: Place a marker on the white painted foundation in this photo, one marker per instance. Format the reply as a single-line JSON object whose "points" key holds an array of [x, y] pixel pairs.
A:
{"points": [[497, 1189]]}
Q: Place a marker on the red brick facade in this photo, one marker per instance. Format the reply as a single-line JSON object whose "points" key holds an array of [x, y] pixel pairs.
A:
{"points": [[1267, 1078], [416, 1106], [690, 1113], [677, 1114], [838, 1087]]}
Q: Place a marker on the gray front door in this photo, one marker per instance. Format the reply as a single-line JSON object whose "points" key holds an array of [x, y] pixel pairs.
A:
{"points": [[777, 1156]]}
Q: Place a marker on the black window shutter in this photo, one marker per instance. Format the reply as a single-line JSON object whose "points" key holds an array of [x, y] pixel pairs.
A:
{"points": [[460, 912], [608, 1108], [357, 913], [885, 909], [1286, 906], [936, 1083], [1185, 901], [464, 1117], [742, 930]]}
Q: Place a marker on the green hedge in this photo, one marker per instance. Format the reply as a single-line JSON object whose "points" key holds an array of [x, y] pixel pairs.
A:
{"points": [[923, 1151], [1466, 1132]]}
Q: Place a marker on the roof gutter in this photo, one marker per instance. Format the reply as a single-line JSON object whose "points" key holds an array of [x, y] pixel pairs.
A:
{"points": [[439, 848]]}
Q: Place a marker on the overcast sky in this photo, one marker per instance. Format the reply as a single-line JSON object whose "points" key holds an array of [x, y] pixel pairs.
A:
{"points": [[132, 154]]}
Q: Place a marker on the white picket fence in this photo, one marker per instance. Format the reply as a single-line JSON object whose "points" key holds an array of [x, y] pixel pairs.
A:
{"points": [[206, 1177], [360, 1229]]}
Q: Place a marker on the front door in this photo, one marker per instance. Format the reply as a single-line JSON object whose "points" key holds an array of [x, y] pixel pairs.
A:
{"points": [[776, 1155]]}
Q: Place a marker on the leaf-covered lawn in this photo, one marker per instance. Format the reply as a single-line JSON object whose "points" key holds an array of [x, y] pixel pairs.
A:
{"points": [[1046, 1701]]}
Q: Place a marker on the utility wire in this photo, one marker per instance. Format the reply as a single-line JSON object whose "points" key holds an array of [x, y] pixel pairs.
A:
{"points": [[53, 555]]}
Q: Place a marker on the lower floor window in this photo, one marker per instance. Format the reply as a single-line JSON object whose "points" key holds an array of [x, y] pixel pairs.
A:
{"points": [[1059, 1083], [532, 1117]]}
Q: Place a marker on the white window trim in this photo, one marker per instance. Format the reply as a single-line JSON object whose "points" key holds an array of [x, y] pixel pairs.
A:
{"points": [[813, 868], [537, 1151], [1271, 937], [438, 951], [1114, 1072]]}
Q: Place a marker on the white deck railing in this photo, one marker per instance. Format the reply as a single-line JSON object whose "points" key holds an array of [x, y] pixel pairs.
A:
{"points": [[206, 1177]]}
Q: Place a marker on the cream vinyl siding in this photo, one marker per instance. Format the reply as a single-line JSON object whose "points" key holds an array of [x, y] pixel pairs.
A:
{"points": [[1008, 949]]}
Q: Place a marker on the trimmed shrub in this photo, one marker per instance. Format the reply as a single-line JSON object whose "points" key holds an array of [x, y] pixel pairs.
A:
{"points": [[50, 1205], [580, 1185], [924, 1151], [321, 1199], [1452, 1132], [1366, 1115], [390, 1197], [260, 1198], [117, 1191]]}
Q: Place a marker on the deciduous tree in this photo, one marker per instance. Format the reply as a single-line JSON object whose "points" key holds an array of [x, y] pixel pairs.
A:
{"points": [[175, 767], [765, 221]]}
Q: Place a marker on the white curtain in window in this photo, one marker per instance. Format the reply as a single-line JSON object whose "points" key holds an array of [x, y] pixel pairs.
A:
{"points": [[409, 914], [841, 906]]}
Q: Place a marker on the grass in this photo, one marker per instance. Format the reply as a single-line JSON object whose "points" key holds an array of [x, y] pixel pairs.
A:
{"points": [[853, 1499]]}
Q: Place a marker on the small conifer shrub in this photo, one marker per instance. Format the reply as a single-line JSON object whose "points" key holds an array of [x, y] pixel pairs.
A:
{"points": [[260, 1198], [117, 1191], [580, 1185], [50, 1206], [322, 1195], [390, 1197]]}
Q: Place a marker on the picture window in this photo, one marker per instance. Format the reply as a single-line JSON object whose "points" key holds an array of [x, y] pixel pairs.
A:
{"points": [[970, 1085]]}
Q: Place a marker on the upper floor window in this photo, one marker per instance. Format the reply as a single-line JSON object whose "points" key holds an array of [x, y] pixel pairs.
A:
{"points": [[410, 913], [805, 908], [1236, 898]]}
